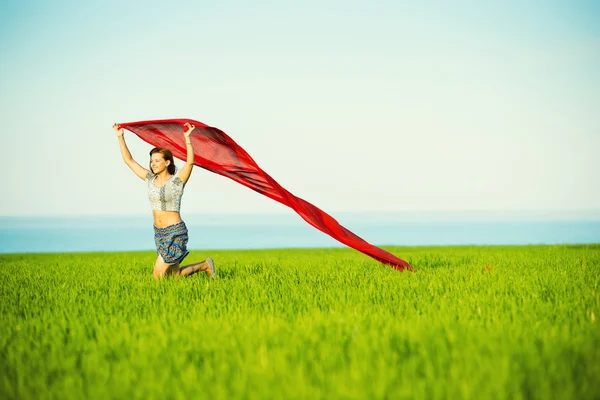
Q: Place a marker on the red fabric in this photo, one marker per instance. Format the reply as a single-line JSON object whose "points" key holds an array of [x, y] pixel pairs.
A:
{"points": [[217, 152]]}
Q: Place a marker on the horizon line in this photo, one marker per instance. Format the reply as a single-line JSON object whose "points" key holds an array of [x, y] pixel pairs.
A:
{"points": [[550, 213]]}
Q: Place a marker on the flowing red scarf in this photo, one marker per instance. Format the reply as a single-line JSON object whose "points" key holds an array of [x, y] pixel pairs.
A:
{"points": [[217, 152]]}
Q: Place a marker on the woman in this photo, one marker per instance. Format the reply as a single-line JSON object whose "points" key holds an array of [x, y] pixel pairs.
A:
{"points": [[164, 191]]}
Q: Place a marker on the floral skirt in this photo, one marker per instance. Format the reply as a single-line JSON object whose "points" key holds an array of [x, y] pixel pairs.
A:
{"points": [[171, 242]]}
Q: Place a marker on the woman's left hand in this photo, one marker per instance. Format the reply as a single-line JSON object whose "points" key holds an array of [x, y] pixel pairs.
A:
{"points": [[189, 130]]}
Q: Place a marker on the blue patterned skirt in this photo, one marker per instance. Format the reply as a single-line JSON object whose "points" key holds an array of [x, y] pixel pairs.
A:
{"points": [[171, 242]]}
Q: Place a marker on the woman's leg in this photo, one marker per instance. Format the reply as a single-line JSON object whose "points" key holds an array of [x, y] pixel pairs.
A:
{"points": [[207, 266], [162, 269]]}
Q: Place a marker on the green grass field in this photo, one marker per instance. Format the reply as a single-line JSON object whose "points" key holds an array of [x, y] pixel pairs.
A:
{"points": [[318, 323]]}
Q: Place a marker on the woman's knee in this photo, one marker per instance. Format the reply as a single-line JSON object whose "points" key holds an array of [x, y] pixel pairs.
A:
{"points": [[161, 268]]}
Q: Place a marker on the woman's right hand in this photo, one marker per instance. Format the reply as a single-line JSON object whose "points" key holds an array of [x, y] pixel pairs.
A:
{"points": [[118, 129]]}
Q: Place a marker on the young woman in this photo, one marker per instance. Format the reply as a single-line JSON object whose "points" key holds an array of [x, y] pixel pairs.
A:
{"points": [[164, 191]]}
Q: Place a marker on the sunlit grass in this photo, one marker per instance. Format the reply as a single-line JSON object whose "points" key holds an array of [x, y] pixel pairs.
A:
{"points": [[473, 322]]}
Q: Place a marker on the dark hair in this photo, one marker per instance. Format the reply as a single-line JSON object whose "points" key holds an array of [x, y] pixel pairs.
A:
{"points": [[167, 155]]}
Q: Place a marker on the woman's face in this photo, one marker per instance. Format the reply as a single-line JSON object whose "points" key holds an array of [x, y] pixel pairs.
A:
{"points": [[158, 163]]}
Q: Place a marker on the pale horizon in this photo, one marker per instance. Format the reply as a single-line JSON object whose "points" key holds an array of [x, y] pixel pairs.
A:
{"points": [[392, 215]]}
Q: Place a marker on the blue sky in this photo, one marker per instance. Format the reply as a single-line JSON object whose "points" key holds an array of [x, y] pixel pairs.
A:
{"points": [[353, 106]]}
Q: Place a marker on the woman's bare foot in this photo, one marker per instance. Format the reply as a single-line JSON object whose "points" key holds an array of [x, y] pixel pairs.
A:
{"points": [[210, 270]]}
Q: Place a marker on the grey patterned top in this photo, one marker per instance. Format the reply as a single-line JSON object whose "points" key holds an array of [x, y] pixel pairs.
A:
{"points": [[166, 197]]}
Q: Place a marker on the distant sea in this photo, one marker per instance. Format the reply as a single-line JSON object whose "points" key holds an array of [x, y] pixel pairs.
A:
{"points": [[244, 231]]}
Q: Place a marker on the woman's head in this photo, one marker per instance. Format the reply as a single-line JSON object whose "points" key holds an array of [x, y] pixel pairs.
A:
{"points": [[160, 159]]}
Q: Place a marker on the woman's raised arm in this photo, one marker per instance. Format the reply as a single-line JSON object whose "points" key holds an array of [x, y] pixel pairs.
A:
{"points": [[186, 170], [131, 163]]}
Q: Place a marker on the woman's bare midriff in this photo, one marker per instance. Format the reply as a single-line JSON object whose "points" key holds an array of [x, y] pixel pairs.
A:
{"points": [[162, 219]]}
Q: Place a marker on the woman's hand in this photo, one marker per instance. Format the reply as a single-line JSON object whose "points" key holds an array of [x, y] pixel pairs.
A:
{"points": [[187, 132], [118, 129]]}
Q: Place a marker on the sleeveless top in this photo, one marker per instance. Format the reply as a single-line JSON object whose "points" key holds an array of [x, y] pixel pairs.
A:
{"points": [[166, 197]]}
